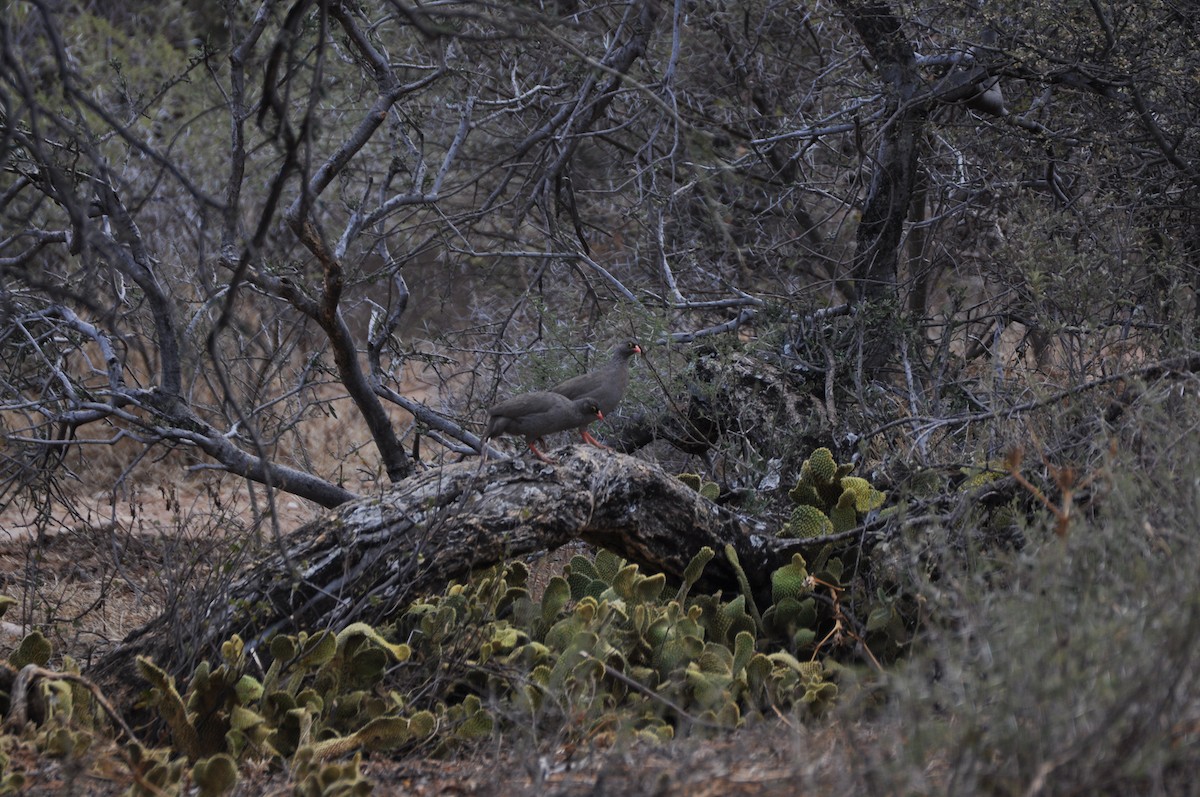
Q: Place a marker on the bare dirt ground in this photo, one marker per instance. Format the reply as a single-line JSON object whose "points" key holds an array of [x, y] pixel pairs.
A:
{"points": [[88, 575], [126, 526]]}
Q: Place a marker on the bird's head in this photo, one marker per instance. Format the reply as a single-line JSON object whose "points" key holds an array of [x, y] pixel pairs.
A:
{"points": [[590, 407], [628, 349]]}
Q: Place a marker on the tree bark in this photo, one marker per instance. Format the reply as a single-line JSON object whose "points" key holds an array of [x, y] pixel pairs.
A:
{"points": [[889, 195], [369, 558]]}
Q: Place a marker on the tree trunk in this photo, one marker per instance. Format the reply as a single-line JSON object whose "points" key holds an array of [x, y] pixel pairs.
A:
{"points": [[369, 558], [889, 196]]}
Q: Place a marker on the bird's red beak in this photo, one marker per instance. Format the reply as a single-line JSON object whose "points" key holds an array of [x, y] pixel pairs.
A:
{"points": [[637, 349], [599, 415]]}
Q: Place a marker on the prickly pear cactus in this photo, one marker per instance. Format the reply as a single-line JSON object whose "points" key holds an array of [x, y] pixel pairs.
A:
{"points": [[710, 490], [609, 653], [46, 710], [215, 776], [321, 695], [828, 499], [315, 778]]}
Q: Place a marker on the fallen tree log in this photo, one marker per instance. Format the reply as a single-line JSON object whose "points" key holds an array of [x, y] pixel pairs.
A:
{"points": [[369, 558]]}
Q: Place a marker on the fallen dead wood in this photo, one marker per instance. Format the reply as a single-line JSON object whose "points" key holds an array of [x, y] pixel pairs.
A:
{"points": [[368, 558]]}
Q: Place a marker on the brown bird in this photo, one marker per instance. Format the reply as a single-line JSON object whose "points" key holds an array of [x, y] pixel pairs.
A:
{"points": [[606, 385], [535, 415]]}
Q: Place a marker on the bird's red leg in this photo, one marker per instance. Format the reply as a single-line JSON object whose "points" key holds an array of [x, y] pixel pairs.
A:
{"points": [[587, 438], [540, 455]]}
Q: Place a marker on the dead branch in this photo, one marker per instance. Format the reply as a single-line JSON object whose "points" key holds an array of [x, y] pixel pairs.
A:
{"points": [[369, 558]]}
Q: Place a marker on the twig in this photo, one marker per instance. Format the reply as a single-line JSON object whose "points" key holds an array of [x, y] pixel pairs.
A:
{"points": [[746, 315], [1189, 363], [840, 630]]}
